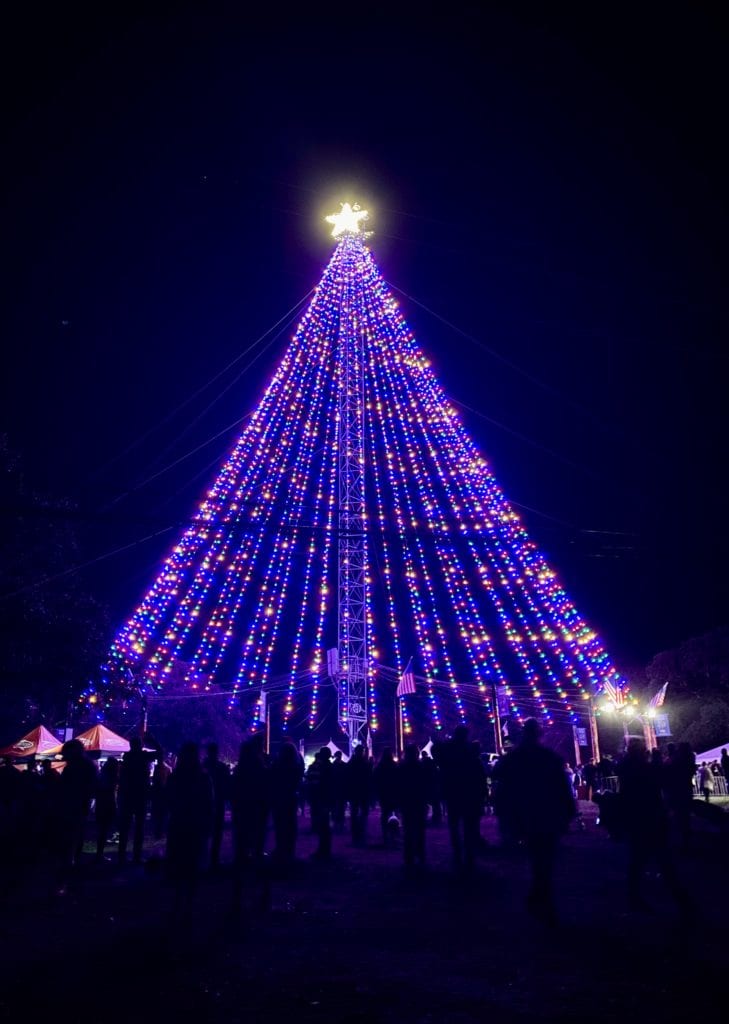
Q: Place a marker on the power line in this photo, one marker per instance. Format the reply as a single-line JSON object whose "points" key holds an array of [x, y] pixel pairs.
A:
{"points": [[527, 440], [536, 381], [182, 458], [83, 565], [190, 398], [196, 419]]}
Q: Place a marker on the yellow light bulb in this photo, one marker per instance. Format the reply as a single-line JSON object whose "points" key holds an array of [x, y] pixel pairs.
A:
{"points": [[347, 221]]}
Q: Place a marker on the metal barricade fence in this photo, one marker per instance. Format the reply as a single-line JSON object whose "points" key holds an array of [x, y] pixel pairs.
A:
{"points": [[720, 786], [609, 784]]}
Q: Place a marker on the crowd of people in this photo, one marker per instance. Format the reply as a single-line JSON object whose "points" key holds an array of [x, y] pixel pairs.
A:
{"points": [[46, 813]]}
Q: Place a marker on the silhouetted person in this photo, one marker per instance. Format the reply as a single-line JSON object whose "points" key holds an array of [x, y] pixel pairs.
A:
{"points": [[27, 817], [339, 790], [219, 777], [678, 786], [413, 793], [75, 792], [105, 809], [23, 836], [432, 774], [158, 796], [190, 801], [385, 783], [646, 826], [50, 783], [488, 770], [359, 792], [132, 798], [535, 804], [463, 783], [577, 782], [589, 776], [251, 802], [319, 795], [10, 826], [287, 772], [250, 798]]}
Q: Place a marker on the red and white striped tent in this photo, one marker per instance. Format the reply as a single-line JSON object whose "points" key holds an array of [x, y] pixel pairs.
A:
{"points": [[98, 740], [39, 742]]}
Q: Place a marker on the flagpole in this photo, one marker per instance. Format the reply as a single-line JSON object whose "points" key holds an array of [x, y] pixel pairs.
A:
{"points": [[498, 734], [647, 737], [594, 739], [399, 727], [400, 743]]}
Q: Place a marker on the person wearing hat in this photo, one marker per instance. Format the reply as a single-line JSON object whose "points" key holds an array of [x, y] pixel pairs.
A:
{"points": [[319, 792]]}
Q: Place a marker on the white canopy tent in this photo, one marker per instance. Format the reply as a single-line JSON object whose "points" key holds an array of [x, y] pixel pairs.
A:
{"points": [[712, 755], [334, 748]]}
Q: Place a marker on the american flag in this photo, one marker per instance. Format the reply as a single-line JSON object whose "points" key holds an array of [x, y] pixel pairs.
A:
{"points": [[407, 682], [657, 700], [614, 693]]}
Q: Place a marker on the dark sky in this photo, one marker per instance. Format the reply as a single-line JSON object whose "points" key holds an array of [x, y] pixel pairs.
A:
{"points": [[551, 186]]}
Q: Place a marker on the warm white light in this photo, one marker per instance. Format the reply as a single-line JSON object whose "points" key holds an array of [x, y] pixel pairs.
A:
{"points": [[347, 221]]}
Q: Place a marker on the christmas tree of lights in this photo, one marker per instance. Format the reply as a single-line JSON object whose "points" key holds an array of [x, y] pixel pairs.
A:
{"points": [[356, 517]]}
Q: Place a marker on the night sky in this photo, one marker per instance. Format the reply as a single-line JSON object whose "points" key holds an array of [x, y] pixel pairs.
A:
{"points": [[547, 193]]}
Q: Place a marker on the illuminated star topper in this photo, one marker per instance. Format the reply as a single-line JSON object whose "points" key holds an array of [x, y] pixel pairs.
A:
{"points": [[347, 221]]}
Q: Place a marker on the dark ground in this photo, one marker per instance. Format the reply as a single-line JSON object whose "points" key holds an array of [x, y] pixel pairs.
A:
{"points": [[356, 941]]}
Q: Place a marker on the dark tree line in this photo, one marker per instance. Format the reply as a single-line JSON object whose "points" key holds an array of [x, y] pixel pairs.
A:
{"points": [[697, 673], [54, 630]]}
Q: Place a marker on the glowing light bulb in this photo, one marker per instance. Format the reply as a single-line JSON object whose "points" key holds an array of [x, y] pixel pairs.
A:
{"points": [[348, 220]]}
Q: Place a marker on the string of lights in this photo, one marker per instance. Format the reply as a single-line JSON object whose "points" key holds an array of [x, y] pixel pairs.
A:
{"points": [[452, 580]]}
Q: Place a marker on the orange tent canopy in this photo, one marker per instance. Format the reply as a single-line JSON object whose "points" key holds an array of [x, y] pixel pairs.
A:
{"points": [[38, 741], [98, 739]]}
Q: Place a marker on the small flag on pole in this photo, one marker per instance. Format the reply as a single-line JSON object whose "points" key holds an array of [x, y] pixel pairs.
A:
{"points": [[615, 694], [657, 700], [407, 681]]}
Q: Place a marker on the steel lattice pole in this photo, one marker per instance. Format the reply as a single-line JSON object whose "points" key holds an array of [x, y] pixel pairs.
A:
{"points": [[352, 548]]}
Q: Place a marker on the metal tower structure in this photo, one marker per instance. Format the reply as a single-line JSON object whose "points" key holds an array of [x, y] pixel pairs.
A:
{"points": [[355, 458], [352, 547]]}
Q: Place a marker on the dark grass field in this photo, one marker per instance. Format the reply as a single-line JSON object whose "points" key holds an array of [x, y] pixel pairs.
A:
{"points": [[356, 940]]}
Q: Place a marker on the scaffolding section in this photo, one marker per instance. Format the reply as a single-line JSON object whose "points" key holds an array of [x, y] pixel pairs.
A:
{"points": [[352, 548]]}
